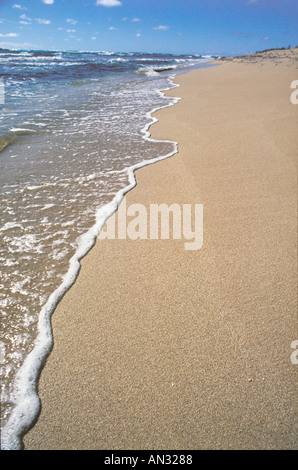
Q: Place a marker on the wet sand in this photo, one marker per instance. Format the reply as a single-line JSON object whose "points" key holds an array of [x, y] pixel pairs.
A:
{"points": [[157, 347]]}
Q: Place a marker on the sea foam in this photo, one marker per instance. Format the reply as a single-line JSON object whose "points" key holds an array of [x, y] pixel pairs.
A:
{"points": [[25, 395]]}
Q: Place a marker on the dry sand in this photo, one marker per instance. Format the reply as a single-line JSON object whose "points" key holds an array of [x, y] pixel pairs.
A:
{"points": [[160, 348]]}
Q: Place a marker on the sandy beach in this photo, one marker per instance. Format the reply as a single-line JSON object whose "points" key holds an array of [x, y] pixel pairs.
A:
{"points": [[157, 347]]}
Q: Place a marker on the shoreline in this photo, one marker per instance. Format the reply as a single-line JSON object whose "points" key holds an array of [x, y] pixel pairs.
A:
{"points": [[26, 397], [145, 394]]}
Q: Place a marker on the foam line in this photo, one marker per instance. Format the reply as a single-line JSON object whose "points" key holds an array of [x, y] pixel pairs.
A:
{"points": [[25, 394]]}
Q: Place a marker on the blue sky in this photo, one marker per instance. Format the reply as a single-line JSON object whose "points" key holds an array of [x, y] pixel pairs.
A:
{"points": [[177, 26]]}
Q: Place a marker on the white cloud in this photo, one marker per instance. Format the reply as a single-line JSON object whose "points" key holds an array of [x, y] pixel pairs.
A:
{"points": [[135, 20], [265, 38], [48, 2], [161, 28], [138, 35], [108, 3], [9, 35], [19, 7], [112, 28], [24, 17], [42, 21], [69, 20], [71, 30], [93, 37]]}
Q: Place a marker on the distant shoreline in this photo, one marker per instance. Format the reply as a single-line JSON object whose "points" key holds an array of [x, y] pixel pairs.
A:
{"points": [[279, 54]]}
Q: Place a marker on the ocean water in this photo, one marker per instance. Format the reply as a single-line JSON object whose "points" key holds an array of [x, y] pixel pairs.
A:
{"points": [[73, 127]]}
